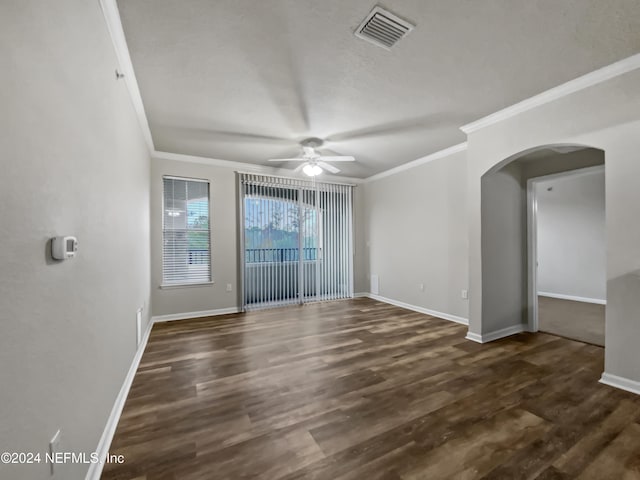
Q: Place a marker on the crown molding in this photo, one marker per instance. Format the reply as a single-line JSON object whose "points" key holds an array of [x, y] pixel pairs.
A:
{"points": [[256, 168], [572, 86], [461, 147], [216, 162], [114, 26], [116, 32], [245, 167]]}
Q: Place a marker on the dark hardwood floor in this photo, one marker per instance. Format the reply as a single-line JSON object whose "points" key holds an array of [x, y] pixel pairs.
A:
{"points": [[358, 389]]}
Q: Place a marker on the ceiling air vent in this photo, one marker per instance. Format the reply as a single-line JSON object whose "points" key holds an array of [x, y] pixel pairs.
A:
{"points": [[383, 28]]}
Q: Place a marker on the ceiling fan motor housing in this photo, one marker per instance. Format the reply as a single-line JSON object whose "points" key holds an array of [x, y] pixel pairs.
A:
{"points": [[312, 142]]}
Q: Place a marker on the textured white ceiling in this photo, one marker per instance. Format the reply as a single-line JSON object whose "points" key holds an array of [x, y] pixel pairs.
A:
{"points": [[245, 80]]}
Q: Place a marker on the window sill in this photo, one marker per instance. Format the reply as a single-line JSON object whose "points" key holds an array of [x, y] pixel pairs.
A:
{"points": [[186, 285]]}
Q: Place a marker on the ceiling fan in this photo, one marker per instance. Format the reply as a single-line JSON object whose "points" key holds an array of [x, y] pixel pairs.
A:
{"points": [[314, 163]]}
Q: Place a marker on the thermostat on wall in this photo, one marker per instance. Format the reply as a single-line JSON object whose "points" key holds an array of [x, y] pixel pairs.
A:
{"points": [[63, 248]]}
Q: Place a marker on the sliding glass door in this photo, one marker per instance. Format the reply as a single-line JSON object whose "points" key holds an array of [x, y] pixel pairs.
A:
{"points": [[296, 241]]}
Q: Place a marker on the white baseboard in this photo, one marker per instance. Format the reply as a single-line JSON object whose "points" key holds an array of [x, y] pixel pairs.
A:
{"points": [[187, 315], [426, 311], [496, 334], [95, 469], [474, 337], [622, 383], [572, 298]]}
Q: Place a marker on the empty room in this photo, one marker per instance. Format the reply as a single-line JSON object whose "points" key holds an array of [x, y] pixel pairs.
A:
{"points": [[333, 240]]}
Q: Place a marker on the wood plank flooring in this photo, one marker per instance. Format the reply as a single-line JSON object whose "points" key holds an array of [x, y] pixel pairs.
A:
{"points": [[359, 389]]}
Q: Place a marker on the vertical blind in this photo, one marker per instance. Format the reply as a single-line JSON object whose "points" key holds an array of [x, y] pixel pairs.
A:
{"points": [[186, 237], [297, 240]]}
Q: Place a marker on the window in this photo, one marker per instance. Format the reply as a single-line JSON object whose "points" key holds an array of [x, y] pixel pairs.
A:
{"points": [[186, 236]]}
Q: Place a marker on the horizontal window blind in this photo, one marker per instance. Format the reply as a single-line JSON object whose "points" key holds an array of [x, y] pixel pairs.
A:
{"points": [[297, 239], [186, 234]]}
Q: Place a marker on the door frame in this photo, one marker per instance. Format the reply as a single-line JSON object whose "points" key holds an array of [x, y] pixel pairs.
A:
{"points": [[532, 237]]}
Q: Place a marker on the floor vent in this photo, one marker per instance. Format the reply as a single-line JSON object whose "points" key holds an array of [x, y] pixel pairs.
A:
{"points": [[383, 28]]}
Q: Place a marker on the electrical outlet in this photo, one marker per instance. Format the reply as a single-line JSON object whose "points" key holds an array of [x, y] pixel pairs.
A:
{"points": [[465, 294], [229, 287], [54, 448]]}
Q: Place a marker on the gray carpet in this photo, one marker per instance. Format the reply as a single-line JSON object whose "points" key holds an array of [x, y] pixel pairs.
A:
{"points": [[575, 320]]}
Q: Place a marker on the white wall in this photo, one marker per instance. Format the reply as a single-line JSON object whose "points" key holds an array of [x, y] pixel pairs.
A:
{"points": [[504, 233], [605, 116], [360, 250], [571, 236], [73, 163], [503, 248], [416, 233], [224, 241]]}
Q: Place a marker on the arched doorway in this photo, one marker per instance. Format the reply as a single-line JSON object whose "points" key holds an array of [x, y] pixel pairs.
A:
{"points": [[509, 293]]}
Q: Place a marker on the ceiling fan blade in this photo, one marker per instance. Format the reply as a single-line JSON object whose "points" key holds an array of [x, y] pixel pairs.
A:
{"points": [[410, 125], [299, 167], [288, 160], [328, 167], [226, 136], [341, 158]]}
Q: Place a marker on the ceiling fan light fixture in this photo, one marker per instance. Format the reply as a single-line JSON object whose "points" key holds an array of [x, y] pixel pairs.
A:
{"points": [[313, 163], [312, 170]]}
